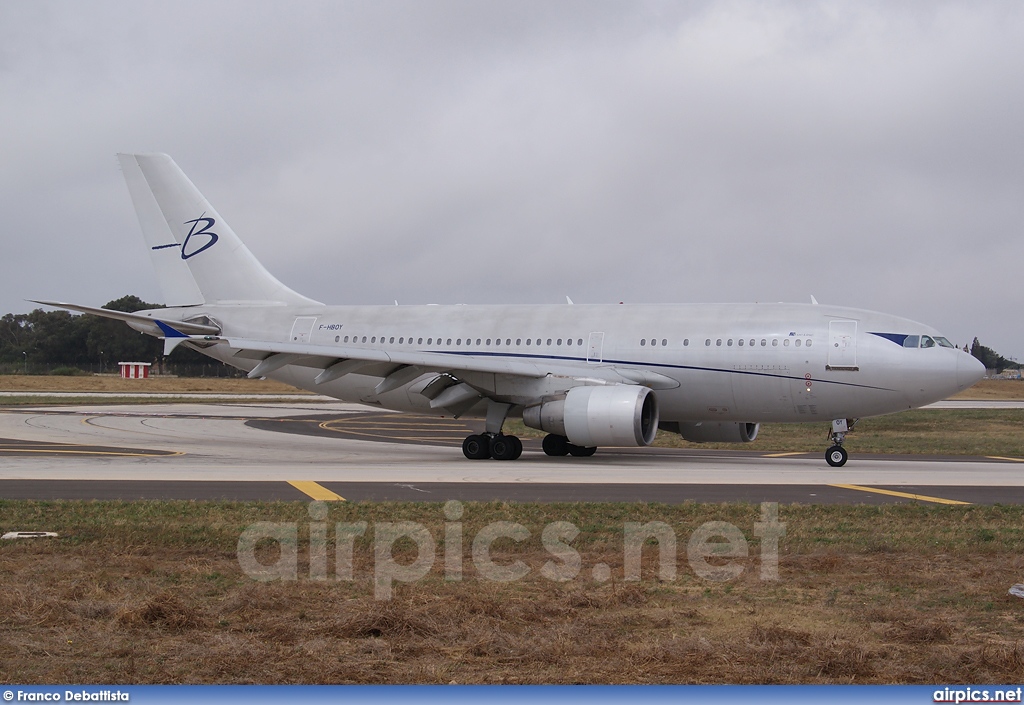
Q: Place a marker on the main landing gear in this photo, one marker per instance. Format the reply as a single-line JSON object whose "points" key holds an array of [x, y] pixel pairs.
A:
{"points": [[492, 445], [556, 446], [836, 456]]}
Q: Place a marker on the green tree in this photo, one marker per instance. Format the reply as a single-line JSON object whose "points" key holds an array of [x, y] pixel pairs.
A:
{"points": [[990, 358]]}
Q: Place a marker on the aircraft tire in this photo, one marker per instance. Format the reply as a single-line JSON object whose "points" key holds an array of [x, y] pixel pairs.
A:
{"points": [[503, 447], [555, 445], [476, 447], [581, 451], [836, 456], [519, 447]]}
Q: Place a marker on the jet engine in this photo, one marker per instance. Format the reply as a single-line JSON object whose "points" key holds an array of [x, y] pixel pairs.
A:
{"points": [[616, 415], [714, 431]]}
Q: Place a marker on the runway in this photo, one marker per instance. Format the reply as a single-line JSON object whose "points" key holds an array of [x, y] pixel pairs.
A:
{"points": [[334, 451]]}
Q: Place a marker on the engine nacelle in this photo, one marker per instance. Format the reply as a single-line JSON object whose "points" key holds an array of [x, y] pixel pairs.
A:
{"points": [[616, 415], [714, 431]]}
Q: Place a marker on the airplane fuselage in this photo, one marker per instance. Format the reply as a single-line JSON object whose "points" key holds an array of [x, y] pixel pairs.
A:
{"points": [[728, 362]]}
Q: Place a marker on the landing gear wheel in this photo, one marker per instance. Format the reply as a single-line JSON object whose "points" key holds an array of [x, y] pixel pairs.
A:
{"points": [[581, 451], [476, 447], [555, 445], [836, 456], [505, 447]]}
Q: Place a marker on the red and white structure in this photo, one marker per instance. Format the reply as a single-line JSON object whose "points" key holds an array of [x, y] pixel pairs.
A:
{"points": [[135, 370]]}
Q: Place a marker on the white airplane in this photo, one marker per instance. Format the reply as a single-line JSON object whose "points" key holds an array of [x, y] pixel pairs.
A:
{"points": [[588, 375]]}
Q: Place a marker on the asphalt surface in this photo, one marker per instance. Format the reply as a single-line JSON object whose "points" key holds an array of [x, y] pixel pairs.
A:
{"points": [[341, 452]]}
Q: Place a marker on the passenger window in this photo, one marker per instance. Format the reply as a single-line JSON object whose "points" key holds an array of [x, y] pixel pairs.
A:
{"points": [[346, 338], [686, 342], [707, 342], [559, 341], [549, 341], [927, 342], [741, 342], [797, 343], [729, 343], [785, 343], [643, 342], [664, 342], [718, 342], [579, 341], [419, 341], [449, 341], [528, 341], [392, 339], [519, 341], [752, 341], [775, 342], [808, 343], [763, 342]]}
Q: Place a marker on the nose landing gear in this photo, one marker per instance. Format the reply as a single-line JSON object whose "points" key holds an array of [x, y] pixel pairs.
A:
{"points": [[836, 455]]}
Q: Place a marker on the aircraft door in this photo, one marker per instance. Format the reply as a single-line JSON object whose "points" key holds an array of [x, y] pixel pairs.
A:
{"points": [[302, 329], [842, 345], [595, 348]]}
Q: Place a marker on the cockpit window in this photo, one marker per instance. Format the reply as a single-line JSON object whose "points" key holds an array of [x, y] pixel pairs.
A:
{"points": [[944, 343], [912, 341], [927, 341]]}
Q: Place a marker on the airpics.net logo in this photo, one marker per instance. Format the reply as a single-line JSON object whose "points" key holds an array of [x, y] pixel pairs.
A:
{"points": [[716, 551]]}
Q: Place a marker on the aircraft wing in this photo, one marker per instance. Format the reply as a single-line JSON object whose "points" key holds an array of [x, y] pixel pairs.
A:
{"points": [[460, 379], [324, 356]]}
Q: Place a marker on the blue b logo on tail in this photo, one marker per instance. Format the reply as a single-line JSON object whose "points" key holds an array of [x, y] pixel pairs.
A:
{"points": [[205, 230], [212, 237]]}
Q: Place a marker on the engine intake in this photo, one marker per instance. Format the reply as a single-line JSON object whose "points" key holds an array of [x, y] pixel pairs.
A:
{"points": [[616, 415], [714, 431]]}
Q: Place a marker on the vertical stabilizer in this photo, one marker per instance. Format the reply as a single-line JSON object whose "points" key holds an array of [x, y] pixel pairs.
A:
{"points": [[197, 256]]}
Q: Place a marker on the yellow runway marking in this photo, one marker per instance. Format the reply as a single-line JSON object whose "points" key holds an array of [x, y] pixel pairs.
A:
{"points": [[784, 455], [316, 491], [893, 493], [999, 457]]}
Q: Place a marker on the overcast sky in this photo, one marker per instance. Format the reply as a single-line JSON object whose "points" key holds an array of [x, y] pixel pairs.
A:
{"points": [[870, 154]]}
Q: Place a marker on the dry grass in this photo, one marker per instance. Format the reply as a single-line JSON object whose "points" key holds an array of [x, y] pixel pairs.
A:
{"points": [[993, 389], [108, 383], [152, 593]]}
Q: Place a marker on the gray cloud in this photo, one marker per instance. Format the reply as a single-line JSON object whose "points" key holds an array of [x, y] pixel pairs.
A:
{"points": [[868, 153]]}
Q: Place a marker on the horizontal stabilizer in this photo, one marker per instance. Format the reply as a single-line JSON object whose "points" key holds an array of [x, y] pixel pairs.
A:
{"points": [[181, 327]]}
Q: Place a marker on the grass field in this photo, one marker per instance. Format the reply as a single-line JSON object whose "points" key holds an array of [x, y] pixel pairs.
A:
{"points": [[152, 593]]}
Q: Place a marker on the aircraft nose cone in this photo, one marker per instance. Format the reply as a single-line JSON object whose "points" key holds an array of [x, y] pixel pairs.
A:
{"points": [[968, 370]]}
